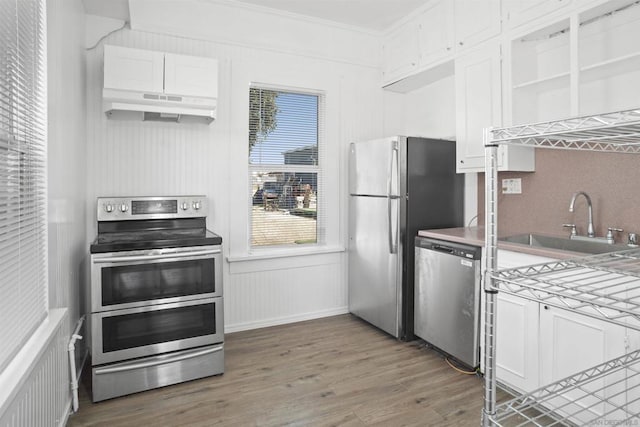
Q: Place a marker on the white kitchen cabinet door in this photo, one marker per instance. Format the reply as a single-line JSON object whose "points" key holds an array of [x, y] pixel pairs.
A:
{"points": [[571, 343], [517, 343], [517, 328], [436, 33], [478, 104], [133, 69], [609, 58], [190, 76], [400, 53], [476, 21], [633, 378]]}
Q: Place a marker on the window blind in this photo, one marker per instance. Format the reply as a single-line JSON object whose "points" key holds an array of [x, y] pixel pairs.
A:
{"points": [[23, 269], [285, 167]]}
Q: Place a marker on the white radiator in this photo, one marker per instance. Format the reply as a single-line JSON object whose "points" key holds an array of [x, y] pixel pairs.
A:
{"points": [[42, 396]]}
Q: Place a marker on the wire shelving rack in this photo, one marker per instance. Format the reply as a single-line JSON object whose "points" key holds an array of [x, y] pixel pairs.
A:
{"points": [[605, 286]]}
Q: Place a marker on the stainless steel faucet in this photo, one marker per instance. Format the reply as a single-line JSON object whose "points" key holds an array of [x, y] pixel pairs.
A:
{"points": [[590, 230]]}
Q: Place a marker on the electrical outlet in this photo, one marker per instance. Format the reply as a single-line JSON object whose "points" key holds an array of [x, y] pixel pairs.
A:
{"points": [[512, 186]]}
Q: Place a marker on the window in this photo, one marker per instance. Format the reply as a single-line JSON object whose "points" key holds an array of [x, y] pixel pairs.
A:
{"points": [[285, 158], [23, 262]]}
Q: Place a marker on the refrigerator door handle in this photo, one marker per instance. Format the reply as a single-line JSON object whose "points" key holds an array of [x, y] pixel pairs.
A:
{"points": [[393, 179], [393, 244]]}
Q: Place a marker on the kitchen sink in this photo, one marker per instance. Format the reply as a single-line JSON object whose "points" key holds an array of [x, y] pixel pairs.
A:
{"points": [[563, 243]]}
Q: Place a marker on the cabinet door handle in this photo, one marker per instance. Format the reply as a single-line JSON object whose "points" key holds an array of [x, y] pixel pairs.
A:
{"points": [[546, 307]]}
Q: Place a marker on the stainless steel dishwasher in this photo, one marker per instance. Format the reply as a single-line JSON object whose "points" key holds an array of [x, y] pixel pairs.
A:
{"points": [[447, 298]]}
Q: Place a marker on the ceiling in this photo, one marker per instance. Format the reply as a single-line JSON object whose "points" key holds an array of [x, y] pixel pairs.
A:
{"points": [[376, 15], [372, 15]]}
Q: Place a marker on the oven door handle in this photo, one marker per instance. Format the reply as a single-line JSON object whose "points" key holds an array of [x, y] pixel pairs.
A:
{"points": [[154, 256], [163, 361]]}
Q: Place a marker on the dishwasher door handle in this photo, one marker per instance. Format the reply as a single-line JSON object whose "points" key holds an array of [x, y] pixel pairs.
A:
{"points": [[441, 248]]}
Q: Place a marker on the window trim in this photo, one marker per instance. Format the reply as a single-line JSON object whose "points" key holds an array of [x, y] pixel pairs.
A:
{"points": [[23, 134], [320, 246]]}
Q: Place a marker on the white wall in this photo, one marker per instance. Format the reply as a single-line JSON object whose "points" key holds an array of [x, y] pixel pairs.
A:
{"points": [[67, 153], [42, 395], [140, 158], [430, 111], [67, 186], [260, 28]]}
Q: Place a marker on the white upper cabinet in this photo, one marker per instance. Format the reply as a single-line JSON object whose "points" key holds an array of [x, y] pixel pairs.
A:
{"points": [[477, 84], [423, 48], [133, 69], [436, 32], [538, 74], [479, 105], [149, 71], [190, 75], [583, 62], [400, 52], [518, 12], [476, 21], [609, 57]]}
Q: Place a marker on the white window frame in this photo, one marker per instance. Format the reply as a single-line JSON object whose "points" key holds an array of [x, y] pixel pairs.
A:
{"points": [[23, 217], [319, 169]]}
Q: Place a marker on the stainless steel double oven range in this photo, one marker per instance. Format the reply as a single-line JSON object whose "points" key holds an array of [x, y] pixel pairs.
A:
{"points": [[156, 295]]}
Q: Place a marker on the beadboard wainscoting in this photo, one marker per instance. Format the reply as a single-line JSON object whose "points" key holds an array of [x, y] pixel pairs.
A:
{"points": [[272, 292], [152, 158], [39, 394]]}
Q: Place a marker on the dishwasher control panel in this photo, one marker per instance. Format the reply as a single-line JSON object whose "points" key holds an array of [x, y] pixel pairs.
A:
{"points": [[452, 248]]}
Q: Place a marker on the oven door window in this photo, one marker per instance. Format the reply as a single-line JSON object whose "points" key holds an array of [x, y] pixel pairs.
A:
{"points": [[143, 282], [128, 331]]}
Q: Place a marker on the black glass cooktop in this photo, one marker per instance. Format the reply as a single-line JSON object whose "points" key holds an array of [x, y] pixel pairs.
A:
{"points": [[149, 234]]}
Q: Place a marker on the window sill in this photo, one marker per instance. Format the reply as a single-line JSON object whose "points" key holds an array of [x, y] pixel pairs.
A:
{"points": [[285, 253]]}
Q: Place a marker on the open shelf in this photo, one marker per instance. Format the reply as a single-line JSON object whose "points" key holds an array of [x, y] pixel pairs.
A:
{"points": [[540, 73], [610, 62], [610, 132], [535, 408], [605, 286], [542, 80]]}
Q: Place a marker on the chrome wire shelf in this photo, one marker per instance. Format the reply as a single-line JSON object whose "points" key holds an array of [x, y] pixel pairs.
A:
{"points": [[612, 132], [605, 286], [608, 394]]}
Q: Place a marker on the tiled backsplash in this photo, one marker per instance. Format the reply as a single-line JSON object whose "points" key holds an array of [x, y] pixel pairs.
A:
{"points": [[611, 180]]}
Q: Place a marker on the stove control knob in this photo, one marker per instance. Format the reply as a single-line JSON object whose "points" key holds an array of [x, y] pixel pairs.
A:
{"points": [[124, 208], [196, 205], [108, 207], [184, 206]]}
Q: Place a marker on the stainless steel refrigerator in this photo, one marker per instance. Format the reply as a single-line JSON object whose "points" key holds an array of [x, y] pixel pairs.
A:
{"points": [[397, 186]]}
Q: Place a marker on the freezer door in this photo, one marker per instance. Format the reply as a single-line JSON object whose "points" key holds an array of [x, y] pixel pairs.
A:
{"points": [[375, 275], [374, 167]]}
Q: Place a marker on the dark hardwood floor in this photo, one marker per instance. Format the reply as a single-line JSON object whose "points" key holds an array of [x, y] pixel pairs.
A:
{"points": [[335, 371]]}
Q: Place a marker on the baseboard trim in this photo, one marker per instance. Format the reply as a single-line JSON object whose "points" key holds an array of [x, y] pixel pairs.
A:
{"points": [[284, 320], [65, 417]]}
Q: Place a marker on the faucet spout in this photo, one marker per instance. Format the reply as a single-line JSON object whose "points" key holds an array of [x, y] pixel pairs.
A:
{"points": [[590, 230]]}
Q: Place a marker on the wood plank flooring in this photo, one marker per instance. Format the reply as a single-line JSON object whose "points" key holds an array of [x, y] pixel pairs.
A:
{"points": [[335, 371]]}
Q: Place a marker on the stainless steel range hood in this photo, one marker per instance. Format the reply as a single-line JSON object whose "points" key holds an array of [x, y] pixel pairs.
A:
{"points": [[131, 105]]}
